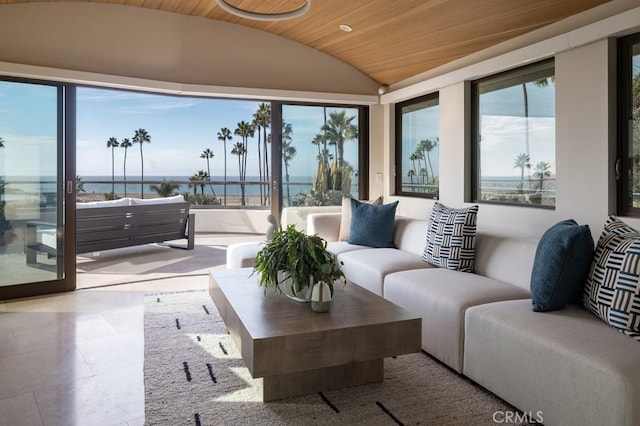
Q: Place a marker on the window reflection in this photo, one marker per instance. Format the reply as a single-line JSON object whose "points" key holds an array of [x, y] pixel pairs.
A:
{"points": [[515, 136]]}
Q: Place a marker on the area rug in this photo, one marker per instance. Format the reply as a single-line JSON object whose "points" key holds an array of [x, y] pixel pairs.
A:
{"points": [[194, 375]]}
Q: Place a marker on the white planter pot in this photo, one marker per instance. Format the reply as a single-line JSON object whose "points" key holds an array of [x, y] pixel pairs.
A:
{"points": [[289, 289]]}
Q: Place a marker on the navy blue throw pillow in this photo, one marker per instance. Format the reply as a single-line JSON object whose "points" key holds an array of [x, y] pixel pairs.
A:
{"points": [[561, 265], [372, 225]]}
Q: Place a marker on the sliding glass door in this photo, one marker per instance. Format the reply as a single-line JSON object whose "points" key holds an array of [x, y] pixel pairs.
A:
{"points": [[33, 189]]}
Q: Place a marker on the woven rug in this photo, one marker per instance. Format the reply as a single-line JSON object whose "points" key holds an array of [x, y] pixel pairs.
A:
{"points": [[194, 375]]}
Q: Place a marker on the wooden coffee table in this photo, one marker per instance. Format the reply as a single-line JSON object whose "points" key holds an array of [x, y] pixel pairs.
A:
{"points": [[297, 351]]}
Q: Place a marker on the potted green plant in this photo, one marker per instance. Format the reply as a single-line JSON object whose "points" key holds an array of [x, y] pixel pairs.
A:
{"points": [[292, 261]]}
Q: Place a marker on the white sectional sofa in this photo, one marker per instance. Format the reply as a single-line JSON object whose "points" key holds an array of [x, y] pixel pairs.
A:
{"points": [[566, 367]]}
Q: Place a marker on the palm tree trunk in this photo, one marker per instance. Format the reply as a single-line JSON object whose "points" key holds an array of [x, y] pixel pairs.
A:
{"points": [[266, 164], [124, 170], [260, 167], [209, 173], [141, 172], [526, 118], [225, 172], [113, 168], [286, 175]]}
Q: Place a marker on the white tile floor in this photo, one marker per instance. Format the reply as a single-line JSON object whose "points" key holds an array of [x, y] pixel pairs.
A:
{"points": [[76, 358]]}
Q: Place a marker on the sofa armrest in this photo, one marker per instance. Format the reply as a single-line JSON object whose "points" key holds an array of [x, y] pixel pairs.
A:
{"points": [[326, 225]]}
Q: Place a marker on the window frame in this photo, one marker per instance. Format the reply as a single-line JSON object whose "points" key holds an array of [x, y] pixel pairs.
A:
{"points": [[474, 115], [398, 170], [624, 101]]}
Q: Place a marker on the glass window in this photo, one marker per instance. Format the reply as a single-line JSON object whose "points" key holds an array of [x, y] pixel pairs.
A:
{"points": [[31, 182], [417, 151], [514, 137], [321, 151], [629, 125]]}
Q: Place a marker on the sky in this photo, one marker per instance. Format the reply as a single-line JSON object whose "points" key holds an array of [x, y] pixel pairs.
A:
{"points": [[181, 128], [503, 130]]}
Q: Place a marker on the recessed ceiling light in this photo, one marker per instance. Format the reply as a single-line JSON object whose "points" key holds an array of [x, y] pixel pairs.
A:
{"points": [[258, 16], [346, 28]]}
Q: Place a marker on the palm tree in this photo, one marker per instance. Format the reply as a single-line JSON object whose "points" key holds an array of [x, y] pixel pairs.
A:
{"points": [[261, 119], [166, 189], [194, 178], [522, 161], [224, 135], [323, 162], [79, 184], [207, 153], [264, 118], [413, 157], [543, 82], [411, 173], [288, 152], [427, 146], [141, 137], [238, 149], [126, 144], [542, 171], [202, 176], [245, 130], [424, 175], [338, 130], [420, 156], [112, 143]]}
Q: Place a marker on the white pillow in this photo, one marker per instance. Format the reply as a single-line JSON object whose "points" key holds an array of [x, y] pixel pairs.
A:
{"points": [[345, 220], [108, 203], [159, 200]]}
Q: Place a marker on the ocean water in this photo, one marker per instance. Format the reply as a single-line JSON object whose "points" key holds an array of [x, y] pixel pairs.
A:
{"points": [[103, 185]]}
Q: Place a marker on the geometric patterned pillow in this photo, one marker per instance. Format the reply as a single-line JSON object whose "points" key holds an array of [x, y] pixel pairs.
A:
{"points": [[451, 237], [613, 284]]}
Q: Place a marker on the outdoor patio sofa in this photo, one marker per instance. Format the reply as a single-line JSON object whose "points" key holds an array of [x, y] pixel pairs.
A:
{"points": [[561, 367], [106, 225]]}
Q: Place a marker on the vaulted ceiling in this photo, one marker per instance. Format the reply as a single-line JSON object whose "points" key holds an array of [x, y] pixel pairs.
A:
{"points": [[391, 40]]}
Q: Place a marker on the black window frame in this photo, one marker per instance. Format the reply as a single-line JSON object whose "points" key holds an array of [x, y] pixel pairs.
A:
{"points": [[399, 172], [623, 167]]}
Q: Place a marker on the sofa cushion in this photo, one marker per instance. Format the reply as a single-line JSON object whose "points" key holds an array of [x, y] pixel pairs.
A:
{"points": [[451, 237], [120, 202], [612, 291], [338, 247], [345, 216], [567, 363], [561, 265], [441, 297], [368, 268], [372, 225], [505, 259], [157, 200]]}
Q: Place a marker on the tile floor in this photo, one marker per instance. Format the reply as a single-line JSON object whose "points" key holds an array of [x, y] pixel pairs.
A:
{"points": [[76, 358]]}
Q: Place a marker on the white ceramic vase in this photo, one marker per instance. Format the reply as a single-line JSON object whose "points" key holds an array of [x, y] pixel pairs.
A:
{"points": [[287, 287], [321, 297]]}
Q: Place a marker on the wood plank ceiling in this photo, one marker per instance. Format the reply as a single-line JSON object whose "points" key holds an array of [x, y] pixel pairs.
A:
{"points": [[391, 39]]}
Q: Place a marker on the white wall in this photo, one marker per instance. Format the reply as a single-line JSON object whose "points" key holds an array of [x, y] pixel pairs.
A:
{"points": [[585, 133], [119, 40]]}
